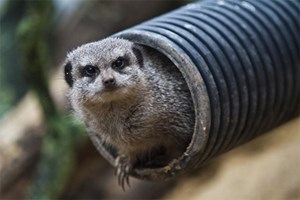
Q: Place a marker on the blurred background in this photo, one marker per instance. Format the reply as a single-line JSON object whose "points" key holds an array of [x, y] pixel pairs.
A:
{"points": [[46, 154]]}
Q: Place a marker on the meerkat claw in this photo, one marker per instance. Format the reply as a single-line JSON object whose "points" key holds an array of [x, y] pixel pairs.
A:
{"points": [[123, 179], [127, 181], [127, 170], [123, 168]]}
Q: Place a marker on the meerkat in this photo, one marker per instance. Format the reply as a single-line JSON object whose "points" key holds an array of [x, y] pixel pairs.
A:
{"points": [[134, 98]]}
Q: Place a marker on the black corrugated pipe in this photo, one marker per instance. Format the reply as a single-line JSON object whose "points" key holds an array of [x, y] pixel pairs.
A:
{"points": [[240, 59]]}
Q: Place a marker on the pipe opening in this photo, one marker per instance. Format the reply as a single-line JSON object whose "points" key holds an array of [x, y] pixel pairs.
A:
{"points": [[162, 163]]}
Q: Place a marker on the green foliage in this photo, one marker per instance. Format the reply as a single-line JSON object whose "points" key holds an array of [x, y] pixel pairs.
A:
{"points": [[32, 33], [12, 85], [62, 137], [58, 158]]}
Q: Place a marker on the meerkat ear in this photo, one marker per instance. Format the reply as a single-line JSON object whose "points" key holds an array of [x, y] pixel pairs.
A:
{"points": [[138, 54], [68, 74]]}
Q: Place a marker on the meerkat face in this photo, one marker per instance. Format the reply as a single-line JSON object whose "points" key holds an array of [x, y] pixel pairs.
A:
{"points": [[104, 71]]}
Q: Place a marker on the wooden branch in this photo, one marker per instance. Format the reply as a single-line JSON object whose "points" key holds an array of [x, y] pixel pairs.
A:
{"points": [[20, 139]]}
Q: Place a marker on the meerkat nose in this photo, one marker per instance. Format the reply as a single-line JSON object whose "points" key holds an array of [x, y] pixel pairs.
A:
{"points": [[109, 82]]}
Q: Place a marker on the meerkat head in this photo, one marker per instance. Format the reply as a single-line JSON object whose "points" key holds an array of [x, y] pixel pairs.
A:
{"points": [[104, 71]]}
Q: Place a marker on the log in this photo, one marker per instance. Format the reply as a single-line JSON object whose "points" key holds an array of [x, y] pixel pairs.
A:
{"points": [[22, 129]]}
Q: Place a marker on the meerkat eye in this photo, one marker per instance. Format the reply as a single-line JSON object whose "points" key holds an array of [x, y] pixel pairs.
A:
{"points": [[120, 63], [89, 71]]}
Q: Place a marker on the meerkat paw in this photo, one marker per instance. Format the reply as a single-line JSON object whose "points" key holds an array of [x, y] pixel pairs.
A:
{"points": [[123, 169]]}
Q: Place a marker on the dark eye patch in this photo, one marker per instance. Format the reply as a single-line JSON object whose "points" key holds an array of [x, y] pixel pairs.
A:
{"points": [[89, 71], [120, 63], [68, 74], [138, 55]]}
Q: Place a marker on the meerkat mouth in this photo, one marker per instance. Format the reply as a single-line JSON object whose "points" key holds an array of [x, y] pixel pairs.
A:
{"points": [[111, 88], [113, 93], [108, 90]]}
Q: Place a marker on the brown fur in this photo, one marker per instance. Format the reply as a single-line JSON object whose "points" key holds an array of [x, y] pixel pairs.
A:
{"points": [[151, 107]]}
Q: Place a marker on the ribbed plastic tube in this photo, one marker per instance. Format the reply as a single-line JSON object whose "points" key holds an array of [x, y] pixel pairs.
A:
{"points": [[240, 59]]}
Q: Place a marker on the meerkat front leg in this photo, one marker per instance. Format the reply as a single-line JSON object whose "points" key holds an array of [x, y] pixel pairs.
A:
{"points": [[123, 166]]}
